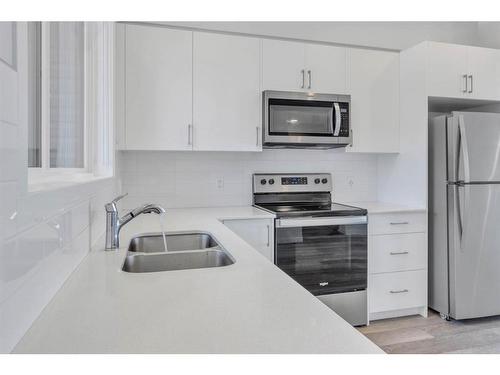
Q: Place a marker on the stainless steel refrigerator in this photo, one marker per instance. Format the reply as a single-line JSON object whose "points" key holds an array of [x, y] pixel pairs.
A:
{"points": [[464, 214]]}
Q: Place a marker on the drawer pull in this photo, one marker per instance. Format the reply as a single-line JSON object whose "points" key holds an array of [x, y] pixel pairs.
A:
{"points": [[399, 223], [399, 291], [399, 252]]}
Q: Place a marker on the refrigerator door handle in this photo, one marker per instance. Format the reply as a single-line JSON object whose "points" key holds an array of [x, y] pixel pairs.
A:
{"points": [[462, 148], [459, 213]]}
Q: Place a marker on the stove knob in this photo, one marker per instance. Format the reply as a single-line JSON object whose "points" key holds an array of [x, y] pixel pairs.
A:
{"points": [[316, 180], [263, 181], [324, 180], [271, 181]]}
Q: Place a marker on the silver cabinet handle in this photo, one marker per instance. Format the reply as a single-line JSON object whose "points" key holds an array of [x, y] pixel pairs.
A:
{"points": [[309, 75], [464, 83], [399, 291], [303, 78], [471, 88], [268, 235], [399, 252], [399, 223], [190, 134], [257, 128]]}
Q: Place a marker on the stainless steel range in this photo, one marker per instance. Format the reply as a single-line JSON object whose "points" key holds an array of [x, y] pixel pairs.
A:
{"points": [[320, 244]]}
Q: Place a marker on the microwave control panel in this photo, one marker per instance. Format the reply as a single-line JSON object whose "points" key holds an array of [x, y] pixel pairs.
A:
{"points": [[344, 115]]}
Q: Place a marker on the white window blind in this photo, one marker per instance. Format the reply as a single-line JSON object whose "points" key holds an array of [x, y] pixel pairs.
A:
{"points": [[67, 94]]}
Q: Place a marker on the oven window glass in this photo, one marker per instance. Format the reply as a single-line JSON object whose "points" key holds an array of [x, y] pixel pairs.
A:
{"points": [[301, 117], [324, 259]]}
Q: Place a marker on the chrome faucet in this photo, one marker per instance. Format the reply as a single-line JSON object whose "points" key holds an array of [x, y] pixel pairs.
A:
{"points": [[114, 223]]}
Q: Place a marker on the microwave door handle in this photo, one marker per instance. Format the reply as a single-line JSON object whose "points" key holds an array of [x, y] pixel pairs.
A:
{"points": [[338, 120]]}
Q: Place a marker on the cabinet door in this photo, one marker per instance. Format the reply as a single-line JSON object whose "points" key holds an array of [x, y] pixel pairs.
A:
{"points": [[226, 92], [257, 232], [326, 69], [374, 101], [484, 66], [283, 65], [447, 64], [158, 88]]}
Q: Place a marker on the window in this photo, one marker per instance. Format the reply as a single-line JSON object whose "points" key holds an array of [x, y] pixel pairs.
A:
{"points": [[70, 104]]}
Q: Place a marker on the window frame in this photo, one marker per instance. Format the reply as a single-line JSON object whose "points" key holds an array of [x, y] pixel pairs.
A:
{"points": [[99, 157]]}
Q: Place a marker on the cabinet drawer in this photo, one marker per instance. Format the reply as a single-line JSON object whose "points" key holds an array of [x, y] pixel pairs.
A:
{"points": [[397, 252], [401, 222], [397, 290]]}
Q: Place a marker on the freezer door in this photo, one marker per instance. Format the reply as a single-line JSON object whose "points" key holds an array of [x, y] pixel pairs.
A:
{"points": [[473, 147], [474, 250]]}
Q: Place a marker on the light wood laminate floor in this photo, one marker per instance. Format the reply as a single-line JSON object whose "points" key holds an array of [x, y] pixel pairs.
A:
{"points": [[416, 334]]}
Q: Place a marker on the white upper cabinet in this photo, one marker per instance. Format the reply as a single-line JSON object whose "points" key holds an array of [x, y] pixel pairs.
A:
{"points": [[158, 88], [226, 92], [374, 77], [294, 66], [484, 73], [456, 71], [326, 69], [283, 65], [447, 70]]}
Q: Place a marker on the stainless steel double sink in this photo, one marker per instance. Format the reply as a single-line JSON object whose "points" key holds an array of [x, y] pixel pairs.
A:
{"points": [[146, 252]]}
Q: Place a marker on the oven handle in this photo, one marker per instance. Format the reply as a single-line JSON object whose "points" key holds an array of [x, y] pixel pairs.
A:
{"points": [[320, 221]]}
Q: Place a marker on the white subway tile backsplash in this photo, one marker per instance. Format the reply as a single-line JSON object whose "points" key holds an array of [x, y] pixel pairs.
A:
{"points": [[52, 238], [42, 281], [9, 152], [202, 179]]}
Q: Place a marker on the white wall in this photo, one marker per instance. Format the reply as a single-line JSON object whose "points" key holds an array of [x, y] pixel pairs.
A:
{"points": [[44, 235], [488, 34], [189, 179], [392, 35]]}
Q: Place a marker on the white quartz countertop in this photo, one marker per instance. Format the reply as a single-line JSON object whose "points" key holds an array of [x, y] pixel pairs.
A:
{"points": [[248, 307], [384, 207]]}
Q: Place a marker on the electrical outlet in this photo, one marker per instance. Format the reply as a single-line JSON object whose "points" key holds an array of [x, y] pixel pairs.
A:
{"points": [[219, 182], [350, 181]]}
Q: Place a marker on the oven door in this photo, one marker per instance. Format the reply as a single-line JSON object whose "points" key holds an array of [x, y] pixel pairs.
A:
{"points": [[324, 255]]}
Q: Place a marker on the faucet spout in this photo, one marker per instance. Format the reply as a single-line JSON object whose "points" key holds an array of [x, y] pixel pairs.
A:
{"points": [[114, 223], [148, 209]]}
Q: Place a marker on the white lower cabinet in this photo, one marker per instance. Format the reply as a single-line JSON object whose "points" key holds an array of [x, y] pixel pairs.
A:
{"points": [[400, 222], [398, 252], [398, 290], [397, 264], [257, 232]]}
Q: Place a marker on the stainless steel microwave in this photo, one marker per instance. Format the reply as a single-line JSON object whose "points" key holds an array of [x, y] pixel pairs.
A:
{"points": [[306, 120]]}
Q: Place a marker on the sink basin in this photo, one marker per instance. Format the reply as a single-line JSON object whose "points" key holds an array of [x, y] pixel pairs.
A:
{"points": [[153, 243], [146, 253], [171, 261]]}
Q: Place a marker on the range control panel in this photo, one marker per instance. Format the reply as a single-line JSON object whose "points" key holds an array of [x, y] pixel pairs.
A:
{"points": [[291, 183], [293, 180]]}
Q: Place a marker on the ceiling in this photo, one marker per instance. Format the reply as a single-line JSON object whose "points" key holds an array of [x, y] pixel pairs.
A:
{"points": [[390, 35]]}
